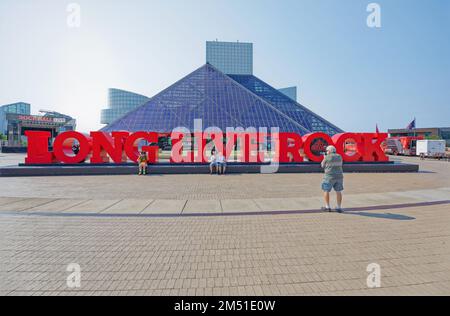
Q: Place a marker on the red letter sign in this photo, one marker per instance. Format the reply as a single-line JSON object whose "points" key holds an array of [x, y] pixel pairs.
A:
{"points": [[132, 150], [288, 146], [372, 147], [103, 145], [290, 143], [314, 145], [58, 147], [339, 142], [37, 152]]}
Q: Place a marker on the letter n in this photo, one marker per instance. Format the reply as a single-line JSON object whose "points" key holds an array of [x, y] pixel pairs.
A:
{"points": [[105, 146]]}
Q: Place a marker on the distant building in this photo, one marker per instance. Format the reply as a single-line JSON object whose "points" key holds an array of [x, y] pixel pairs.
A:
{"points": [[222, 93], [236, 58], [15, 108], [15, 120], [231, 58], [432, 132], [70, 124], [221, 101], [290, 92], [120, 102]]}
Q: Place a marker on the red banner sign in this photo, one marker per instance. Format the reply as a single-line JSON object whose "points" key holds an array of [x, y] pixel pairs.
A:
{"points": [[35, 118], [119, 147]]}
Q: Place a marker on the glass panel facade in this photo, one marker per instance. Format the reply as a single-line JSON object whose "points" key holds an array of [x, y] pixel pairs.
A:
{"points": [[230, 57], [445, 134], [295, 111], [212, 96], [290, 92], [15, 108], [120, 102], [3, 123]]}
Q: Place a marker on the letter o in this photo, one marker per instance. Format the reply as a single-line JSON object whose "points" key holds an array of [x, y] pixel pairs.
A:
{"points": [[58, 147]]}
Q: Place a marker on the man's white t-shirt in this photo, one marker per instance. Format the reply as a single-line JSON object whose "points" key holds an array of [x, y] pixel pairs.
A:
{"points": [[220, 158]]}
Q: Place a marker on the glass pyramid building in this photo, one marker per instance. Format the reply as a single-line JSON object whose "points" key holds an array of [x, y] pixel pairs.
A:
{"points": [[221, 101]]}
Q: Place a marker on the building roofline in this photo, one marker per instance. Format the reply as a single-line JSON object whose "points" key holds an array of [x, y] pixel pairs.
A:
{"points": [[151, 98], [415, 129], [296, 103], [267, 103], [227, 77], [14, 103], [130, 92], [229, 42]]}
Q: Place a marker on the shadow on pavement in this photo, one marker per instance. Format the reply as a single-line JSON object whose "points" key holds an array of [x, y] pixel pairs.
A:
{"points": [[397, 217]]}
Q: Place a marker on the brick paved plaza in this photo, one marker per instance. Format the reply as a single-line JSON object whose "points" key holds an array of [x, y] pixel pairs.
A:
{"points": [[231, 235]]}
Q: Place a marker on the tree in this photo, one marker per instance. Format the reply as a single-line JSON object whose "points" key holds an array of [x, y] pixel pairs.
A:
{"points": [[433, 137]]}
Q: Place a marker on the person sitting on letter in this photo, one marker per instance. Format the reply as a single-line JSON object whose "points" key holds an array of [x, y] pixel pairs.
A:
{"points": [[221, 164], [143, 161], [213, 162]]}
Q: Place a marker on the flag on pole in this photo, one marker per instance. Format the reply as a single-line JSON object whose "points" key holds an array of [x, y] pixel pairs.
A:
{"points": [[411, 125]]}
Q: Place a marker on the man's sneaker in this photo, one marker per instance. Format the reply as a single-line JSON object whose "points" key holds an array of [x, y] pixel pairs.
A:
{"points": [[339, 210], [325, 209]]}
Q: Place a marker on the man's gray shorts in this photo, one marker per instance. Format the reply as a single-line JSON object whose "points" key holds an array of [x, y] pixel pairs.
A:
{"points": [[336, 184]]}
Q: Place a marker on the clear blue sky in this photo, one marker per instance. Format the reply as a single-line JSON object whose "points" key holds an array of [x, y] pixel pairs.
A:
{"points": [[353, 75]]}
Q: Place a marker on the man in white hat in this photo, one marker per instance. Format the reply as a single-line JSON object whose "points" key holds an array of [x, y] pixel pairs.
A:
{"points": [[333, 178]]}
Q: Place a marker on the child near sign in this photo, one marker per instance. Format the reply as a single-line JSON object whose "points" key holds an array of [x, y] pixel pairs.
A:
{"points": [[143, 161]]}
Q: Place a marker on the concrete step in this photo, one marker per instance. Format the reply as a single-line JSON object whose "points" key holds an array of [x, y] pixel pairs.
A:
{"points": [[87, 169], [216, 207]]}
